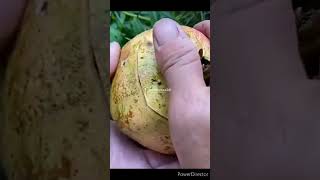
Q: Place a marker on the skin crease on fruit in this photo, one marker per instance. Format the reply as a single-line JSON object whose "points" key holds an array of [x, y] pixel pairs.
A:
{"points": [[139, 94]]}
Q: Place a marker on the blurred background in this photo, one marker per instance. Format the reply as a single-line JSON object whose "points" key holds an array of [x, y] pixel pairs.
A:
{"points": [[308, 29], [125, 25]]}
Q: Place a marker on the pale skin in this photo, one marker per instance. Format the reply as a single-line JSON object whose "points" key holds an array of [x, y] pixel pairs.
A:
{"points": [[189, 104]]}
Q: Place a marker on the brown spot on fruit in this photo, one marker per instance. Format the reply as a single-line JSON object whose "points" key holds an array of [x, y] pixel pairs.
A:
{"points": [[149, 43], [82, 125], [130, 115]]}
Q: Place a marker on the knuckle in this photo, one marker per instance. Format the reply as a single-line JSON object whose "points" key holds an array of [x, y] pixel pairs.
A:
{"points": [[177, 54]]}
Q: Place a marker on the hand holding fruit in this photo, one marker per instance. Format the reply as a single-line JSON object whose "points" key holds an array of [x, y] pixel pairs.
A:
{"points": [[189, 98], [189, 102], [125, 153]]}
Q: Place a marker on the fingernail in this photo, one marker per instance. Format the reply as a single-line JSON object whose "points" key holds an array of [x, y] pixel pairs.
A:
{"points": [[165, 30]]}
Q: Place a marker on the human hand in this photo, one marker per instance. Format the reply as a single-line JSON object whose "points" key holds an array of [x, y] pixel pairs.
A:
{"points": [[189, 130], [189, 98]]}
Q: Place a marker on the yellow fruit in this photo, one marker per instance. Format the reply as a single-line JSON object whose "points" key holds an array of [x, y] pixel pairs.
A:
{"points": [[139, 94]]}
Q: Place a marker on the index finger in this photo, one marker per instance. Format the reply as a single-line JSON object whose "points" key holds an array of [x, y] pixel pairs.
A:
{"points": [[114, 57]]}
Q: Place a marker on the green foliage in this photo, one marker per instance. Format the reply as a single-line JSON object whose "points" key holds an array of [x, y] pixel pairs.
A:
{"points": [[127, 24]]}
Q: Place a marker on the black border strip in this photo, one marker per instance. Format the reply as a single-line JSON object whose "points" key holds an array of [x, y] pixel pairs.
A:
{"points": [[203, 174], [160, 5]]}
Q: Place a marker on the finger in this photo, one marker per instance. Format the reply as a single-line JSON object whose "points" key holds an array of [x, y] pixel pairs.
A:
{"points": [[114, 57], [204, 27], [177, 56], [124, 153], [160, 161]]}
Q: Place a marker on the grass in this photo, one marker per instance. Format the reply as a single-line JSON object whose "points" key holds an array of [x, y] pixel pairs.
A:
{"points": [[127, 24]]}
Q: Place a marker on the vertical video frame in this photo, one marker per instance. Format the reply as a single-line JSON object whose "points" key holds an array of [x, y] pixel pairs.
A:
{"points": [[142, 100]]}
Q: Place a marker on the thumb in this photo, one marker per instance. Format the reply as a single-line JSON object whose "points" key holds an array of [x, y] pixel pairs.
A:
{"points": [[177, 56]]}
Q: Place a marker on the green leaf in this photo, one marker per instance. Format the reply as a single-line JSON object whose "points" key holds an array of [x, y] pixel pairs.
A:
{"points": [[127, 24]]}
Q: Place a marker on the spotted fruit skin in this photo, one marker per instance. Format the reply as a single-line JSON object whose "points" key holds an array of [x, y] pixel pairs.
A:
{"points": [[139, 93], [52, 102]]}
